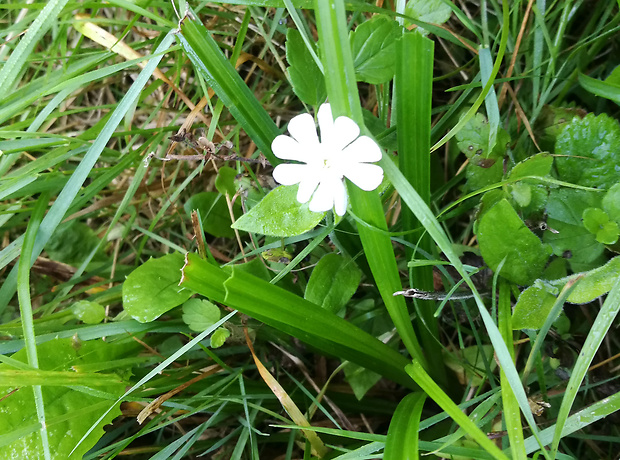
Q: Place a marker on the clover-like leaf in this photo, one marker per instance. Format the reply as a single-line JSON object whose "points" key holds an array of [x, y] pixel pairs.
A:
{"points": [[279, 214], [611, 203]]}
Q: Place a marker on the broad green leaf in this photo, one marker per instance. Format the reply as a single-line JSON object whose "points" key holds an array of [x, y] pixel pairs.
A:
{"points": [[373, 48], [597, 222], [588, 151], [360, 379], [573, 241], [431, 11], [551, 123], [533, 307], [225, 181], [536, 165], [72, 242], [69, 412], [482, 176], [502, 234], [279, 214], [403, 433], [200, 314], [473, 141], [214, 213], [219, 336], [592, 284], [307, 79], [468, 364], [333, 282], [153, 288], [611, 203], [88, 312]]}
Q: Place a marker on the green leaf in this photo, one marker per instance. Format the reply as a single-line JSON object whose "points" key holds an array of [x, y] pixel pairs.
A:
{"points": [[225, 181], [403, 433], [597, 222], [468, 364], [373, 49], [611, 203], [72, 242], [308, 81], [502, 234], [219, 336], [592, 284], [200, 314], [473, 141], [88, 312], [153, 288], [533, 307], [606, 89], [279, 214], [333, 282], [589, 151], [69, 412], [536, 165], [564, 210], [360, 379], [431, 11], [214, 213]]}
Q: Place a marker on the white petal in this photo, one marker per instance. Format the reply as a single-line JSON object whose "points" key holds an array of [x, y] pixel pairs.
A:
{"points": [[326, 123], [302, 128], [289, 174], [340, 198], [362, 150], [287, 148], [323, 198], [365, 176], [307, 186], [345, 132]]}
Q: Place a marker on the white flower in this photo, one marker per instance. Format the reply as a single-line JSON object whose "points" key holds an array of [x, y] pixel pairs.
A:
{"points": [[340, 153]]}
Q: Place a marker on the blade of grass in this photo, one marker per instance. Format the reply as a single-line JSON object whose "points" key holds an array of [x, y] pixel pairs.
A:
{"points": [[220, 74], [603, 322], [341, 86], [430, 223], [413, 84], [403, 434], [72, 188], [25, 308], [293, 315], [427, 384], [13, 66], [511, 414]]}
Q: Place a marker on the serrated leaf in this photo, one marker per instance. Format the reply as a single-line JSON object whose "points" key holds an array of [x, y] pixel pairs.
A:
{"points": [[333, 282], [589, 151], [279, 214], [69, 413], [225, 181], [88, 312], [502, 234], [307, 79], [214, 213], [152, 289], [200, 314], [372, 46]]}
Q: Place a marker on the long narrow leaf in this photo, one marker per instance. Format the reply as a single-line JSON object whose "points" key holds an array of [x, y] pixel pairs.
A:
{"points": [[402, 437]]}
